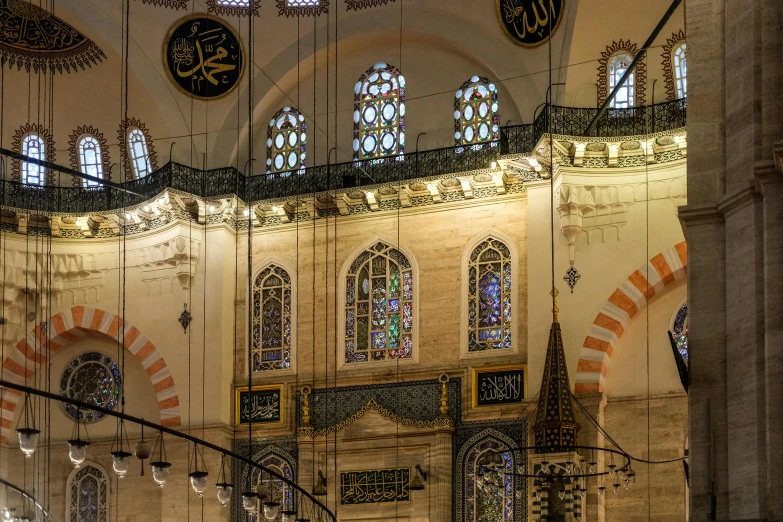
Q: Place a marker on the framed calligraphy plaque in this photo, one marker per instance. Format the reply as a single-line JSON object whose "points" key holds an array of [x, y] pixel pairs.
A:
{"points": [[262, 405], [529, 22], [203, 57], [376, 486], [499, 385]]}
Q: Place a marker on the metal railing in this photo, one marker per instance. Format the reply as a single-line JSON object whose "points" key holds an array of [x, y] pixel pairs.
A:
{"points": [[514, 139]]}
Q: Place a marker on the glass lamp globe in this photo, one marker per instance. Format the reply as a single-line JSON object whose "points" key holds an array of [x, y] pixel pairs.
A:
{"points": [[198, 481], [160, 472], [271, 510], [289, 516], [224, 493], [28, 440], [8, 514], [119, 462], [142, 450], [250, 501], [77, 451], [263, 491]]}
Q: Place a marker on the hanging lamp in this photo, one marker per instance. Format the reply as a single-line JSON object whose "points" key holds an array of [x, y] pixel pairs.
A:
{"points": [[198, 477], [28, 434], [120, 458], [224, 488], [77, 448], [160, 468]]}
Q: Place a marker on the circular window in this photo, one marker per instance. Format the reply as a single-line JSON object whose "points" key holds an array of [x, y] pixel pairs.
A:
{"points": [[93, 378]]}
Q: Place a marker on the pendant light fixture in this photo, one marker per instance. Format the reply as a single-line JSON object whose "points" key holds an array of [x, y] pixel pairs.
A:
{"points": [[77, 448], [198, 477], [417, 483], [28, 434], [160, 468], [142, 450], [250, 501], [224, 488], [120, 457]]}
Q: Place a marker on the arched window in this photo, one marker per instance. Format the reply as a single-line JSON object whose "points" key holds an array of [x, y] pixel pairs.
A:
{"points": [[489, 296], [88, 495], [617, 67], [379, 113], [679, 330], [286, 143], [379, 306], [680, 70], [138, 153], [283, 463], [90, 158], [272, 320], [476, 112], [483, 501], [33, 146]]}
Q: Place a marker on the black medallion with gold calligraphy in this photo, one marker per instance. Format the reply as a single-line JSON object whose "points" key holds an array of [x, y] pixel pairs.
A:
{"points": [[203, 56], [529, 22]]}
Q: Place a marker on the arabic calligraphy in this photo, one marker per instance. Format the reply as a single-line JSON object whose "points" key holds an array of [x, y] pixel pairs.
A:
{"points": [[204, 57], [506, 386], [261, 405], [529, 22], [372, 487]]}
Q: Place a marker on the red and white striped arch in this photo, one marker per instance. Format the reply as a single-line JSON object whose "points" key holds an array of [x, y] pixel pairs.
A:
{"points": [[67, 326], [631, 296]]}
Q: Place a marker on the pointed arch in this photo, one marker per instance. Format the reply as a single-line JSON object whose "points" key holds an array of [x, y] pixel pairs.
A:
{"points": [[465, 292], [17, 144], [93, 477], [67, 326], [633, 294], [287, 362], [342, 286], [640, 73]]}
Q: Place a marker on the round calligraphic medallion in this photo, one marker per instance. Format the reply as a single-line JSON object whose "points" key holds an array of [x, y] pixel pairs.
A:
{"points": [[203, 56], [529, 22]]}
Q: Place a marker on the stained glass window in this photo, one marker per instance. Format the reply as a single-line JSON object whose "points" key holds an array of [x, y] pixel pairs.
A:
{"points": [[94, 378], [278, 490], [485, 501], [139, 155], [617, 67], [286, 143], [476, 112], [680, 330], [90, 158], [379, 306], [379, 113], [272, 320], [88, 494], [34, 147], [489, 296], [235, 3], [680, 70]]}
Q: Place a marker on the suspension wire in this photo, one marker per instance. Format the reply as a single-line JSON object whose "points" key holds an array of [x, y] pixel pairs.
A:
{"points": [[249, 287], [647, 308], [326, 261]]}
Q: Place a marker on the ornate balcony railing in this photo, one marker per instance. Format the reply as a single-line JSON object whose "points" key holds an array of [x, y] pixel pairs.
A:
{"points": [[515, 139]]}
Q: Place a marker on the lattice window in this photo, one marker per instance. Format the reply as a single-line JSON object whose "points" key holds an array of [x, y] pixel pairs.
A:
{"points": [[90, 159], [617, 67], [476, 112], [379, 306], [485, 501], [286, 144], [489, 296], [272, 320], [94, 378], [33, 146], [679, 329], [379, 113], [281, 462], [680, 70], [138, 153], [88, 495]]}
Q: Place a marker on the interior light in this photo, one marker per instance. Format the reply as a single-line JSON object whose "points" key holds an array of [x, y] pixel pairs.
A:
{"points": [[198, 480], [224, 493], [146, 208], [212, 208], [533, 162], [28, 440], [119, 462], [127, 216], [77, 452], [160, 472], [494, 164], [274, 209]]}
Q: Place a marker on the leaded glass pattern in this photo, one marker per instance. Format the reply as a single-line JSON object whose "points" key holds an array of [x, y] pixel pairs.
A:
{"points": [[88, 494], [34, 147], [486, 502], [680, 330], [286, 143], [680, 70], [94, 378], [489, 296], [379, 306], [138, 152], [617, 67], [90, 159], [279, 491], [272, 319], [379, 113], [476, 112]]}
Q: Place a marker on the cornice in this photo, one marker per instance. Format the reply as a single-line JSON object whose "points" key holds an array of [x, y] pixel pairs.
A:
{"points": [[739, 199]]}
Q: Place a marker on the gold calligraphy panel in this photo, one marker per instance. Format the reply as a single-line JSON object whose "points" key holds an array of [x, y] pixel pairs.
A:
{"points": [[529, 22], [261, 405], [203, 56], [499, 385], [376, 486]]}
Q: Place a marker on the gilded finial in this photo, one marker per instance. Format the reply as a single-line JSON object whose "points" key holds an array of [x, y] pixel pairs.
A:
{"points": [[554, 293], [444, 400], [306, 407]]}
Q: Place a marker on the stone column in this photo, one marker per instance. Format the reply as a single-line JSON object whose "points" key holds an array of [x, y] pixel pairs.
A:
{"points": [[440, 479]]}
